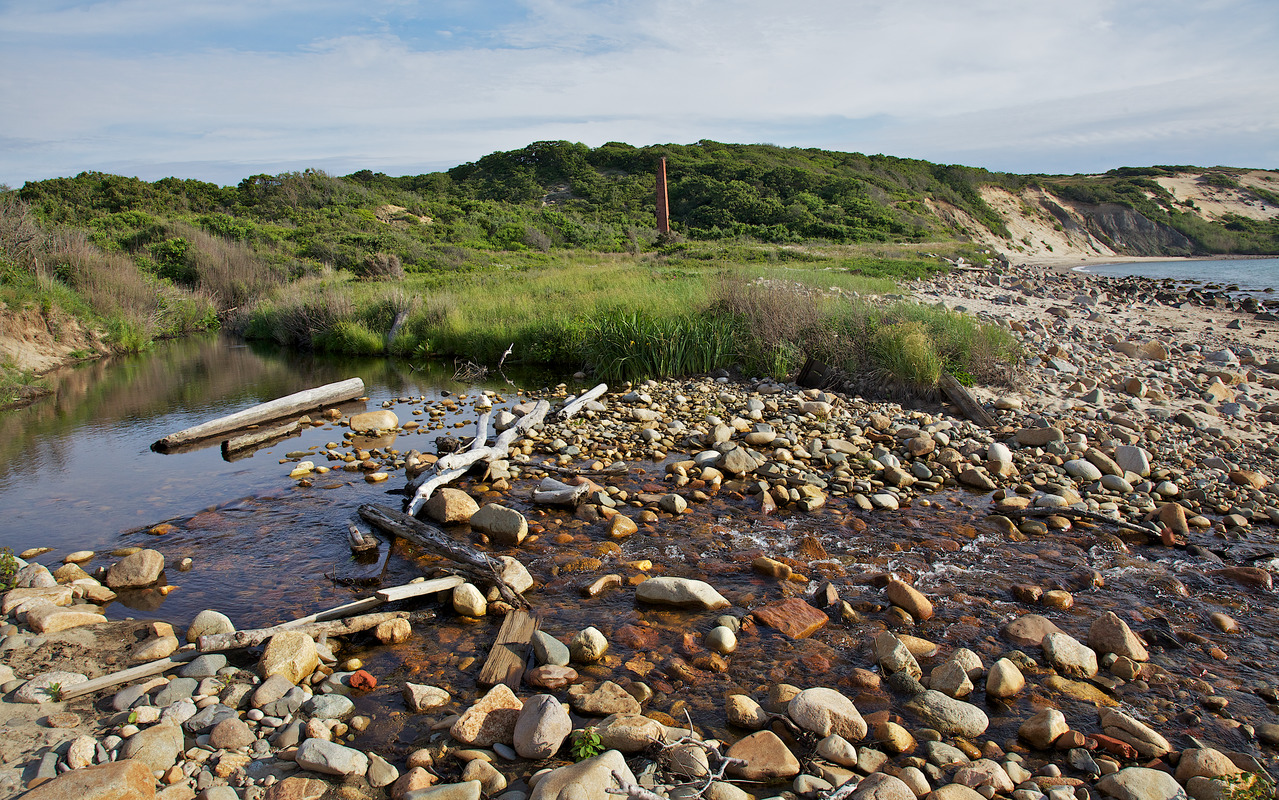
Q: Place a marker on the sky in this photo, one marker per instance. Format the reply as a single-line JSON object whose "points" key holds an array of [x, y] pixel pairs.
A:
{"points": [[227, 89]]}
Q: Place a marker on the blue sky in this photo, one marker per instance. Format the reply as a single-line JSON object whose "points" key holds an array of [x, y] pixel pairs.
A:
{"points": [[222, 90]]}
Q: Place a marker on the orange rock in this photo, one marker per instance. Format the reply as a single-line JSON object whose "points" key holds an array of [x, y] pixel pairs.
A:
{"points": [[792, 617]]}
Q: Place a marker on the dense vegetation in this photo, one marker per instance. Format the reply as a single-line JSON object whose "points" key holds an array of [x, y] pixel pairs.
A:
{"points": [[551, 250]]}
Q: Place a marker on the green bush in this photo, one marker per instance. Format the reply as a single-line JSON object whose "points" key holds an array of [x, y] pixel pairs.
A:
{"points": [[349, 337]]}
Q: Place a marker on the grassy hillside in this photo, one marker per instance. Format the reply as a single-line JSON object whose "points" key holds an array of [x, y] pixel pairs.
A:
{"points": [[539, 247]]}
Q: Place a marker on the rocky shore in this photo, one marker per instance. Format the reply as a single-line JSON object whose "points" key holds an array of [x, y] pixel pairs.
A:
{"points": [[762, 591]]}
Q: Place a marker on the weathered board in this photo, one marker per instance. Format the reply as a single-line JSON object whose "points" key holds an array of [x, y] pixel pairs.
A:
{"points": [[505, 663]]}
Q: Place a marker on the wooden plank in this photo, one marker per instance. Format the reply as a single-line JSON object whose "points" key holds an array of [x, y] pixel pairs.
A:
{"points": [[265, 412], [394, 593], [127, 675], [337, 612], [505, 663]]}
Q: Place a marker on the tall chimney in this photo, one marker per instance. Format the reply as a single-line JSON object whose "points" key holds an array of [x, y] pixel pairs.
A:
{"points": [[663, 206]]}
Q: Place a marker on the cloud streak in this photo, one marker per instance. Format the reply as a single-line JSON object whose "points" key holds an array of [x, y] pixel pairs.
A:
{"points": [[148, 86]]}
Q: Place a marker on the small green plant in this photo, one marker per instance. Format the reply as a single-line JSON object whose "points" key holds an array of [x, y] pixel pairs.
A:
{"points": [[8, 569], [1248, 786], [586, 744], [53, 691]]}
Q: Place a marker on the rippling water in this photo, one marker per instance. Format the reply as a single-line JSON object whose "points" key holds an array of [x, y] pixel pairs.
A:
{"points": [[1250, 274]]}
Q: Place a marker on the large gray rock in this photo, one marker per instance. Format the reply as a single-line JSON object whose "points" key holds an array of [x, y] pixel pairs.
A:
{"points": [[588, 646], [420, 697], [587, 779], [331, 758], [630, 733], [329, 706], [1069, 656], [1141, 783], [549, 650], [681, 592], [504, 526], [948, 715], [892, 655], [542, 727], [1149, 743], [1131, 458], [825, 712], [142, 568], [158, 746], [1110, 634]]}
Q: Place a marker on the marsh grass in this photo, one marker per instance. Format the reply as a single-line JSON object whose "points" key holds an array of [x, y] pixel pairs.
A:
{"points": [[631, 317]]}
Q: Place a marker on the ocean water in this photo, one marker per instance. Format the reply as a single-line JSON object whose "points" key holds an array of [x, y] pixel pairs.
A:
{"points": [[1249, 274]]}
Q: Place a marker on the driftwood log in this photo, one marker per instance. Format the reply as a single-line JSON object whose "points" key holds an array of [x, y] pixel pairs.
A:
{"points": [[968, 404], [238, 444], [455, 465], [265, 412], [125, 675], [572, 407], [337, 627], [551, 492], [480, 566], [1078, 514]]}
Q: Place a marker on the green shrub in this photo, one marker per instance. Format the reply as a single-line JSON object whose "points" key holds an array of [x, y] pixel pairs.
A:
{"points": [[349, 337]]}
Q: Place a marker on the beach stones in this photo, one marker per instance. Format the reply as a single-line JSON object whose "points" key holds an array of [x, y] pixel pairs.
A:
{"points": [[542, 727], [1110, 634], [491, 719], [825, 712], [766, 758], [330, 758], [792, 617], [451, 506], [948, 715]]}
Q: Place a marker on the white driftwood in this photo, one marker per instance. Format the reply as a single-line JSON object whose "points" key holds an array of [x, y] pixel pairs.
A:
{"points": [[265, 412], [393, 593], [551, 492], [577, 405], [126, 675], [454, 466], [338, 627]]}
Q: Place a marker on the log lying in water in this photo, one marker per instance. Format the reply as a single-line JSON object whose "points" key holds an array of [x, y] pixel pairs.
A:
{"points": [[265, 412], [238, 444], [454, 466], [480, 566]]}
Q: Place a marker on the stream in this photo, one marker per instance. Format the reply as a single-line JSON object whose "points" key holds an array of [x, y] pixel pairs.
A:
{"points": [[76, 473]]}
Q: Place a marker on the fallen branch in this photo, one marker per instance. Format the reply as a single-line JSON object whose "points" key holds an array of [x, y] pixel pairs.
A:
{"points": [[265, 412], [553, 493], [480, 565], [341, 627], [574, 406], [454, 466], [1075, 513]]}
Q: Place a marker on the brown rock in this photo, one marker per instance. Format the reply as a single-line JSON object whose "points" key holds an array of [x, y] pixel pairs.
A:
{"points": [[142, 568], [297, 789], [1029, 630], [51, 619], [451, 506], [909, 598], [119, 780], [767, 758], [605, 701], [792, 617], [549, 676], [1110, 634]]}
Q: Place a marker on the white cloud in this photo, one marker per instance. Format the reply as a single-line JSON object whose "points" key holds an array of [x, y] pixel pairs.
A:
{"points": [[1055, 83]]}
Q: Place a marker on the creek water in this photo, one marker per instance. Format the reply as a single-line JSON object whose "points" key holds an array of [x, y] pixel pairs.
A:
{"points": [[76, 472]]}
